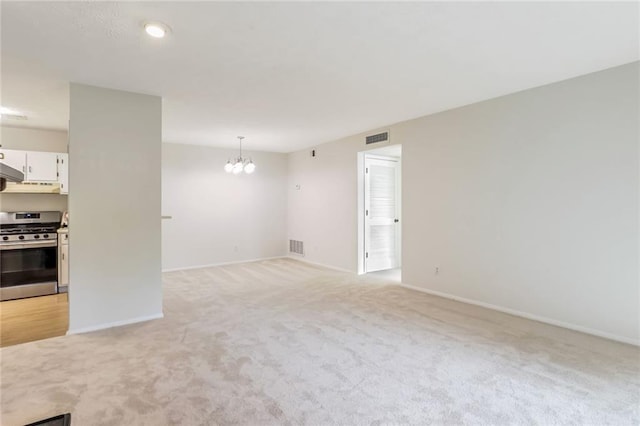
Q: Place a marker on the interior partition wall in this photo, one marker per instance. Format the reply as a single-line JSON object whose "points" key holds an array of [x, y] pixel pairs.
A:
{"points": [[114, 208]]}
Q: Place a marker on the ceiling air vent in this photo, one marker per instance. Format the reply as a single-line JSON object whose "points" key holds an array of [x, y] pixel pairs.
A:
{"points": [[380, 137]]}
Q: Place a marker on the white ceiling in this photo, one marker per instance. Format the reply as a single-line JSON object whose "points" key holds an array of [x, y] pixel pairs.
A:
{"points": [[292, 75]]}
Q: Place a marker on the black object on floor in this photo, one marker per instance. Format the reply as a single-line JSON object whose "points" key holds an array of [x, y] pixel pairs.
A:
{"points": [[61, 420]]}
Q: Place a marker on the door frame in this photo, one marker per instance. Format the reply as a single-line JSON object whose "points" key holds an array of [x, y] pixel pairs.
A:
{"points": [[376, 154]]}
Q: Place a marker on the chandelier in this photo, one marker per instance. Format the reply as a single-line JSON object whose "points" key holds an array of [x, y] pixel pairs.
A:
{"points": [[239, 164]]}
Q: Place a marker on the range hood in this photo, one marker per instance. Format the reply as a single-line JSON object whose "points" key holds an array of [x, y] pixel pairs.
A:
{"points": [[11, 181], [10, 174], [32, 188]]}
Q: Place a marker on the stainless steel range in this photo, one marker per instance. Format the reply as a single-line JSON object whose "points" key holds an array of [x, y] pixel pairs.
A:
{"points": [[28, 254]]}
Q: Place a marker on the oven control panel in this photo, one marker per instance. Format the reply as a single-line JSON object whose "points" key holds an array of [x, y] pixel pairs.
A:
{"points": [[28, 237]]}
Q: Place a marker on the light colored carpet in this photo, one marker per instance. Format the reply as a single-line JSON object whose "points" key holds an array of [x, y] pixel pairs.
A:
{"points": [[282, 342]]}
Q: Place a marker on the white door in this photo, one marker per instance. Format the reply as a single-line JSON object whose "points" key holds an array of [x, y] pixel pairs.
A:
{"points": [[381, 221], [42, 166]]}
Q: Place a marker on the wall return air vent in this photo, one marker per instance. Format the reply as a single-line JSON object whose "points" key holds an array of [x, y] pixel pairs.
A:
{"points": [[296, 247], [380, 137]]}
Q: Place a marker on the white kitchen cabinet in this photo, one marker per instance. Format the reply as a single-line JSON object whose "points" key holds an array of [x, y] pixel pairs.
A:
{"points": [[42, 166], [39, 166], [14, 158], [63, 172]]}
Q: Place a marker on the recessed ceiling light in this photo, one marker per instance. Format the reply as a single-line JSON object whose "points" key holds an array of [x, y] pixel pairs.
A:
{"points": [[8, 111], [12, 113], [156, 29]]}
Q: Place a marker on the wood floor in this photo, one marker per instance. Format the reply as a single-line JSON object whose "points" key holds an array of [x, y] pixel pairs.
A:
{"points": [[35, 318]]}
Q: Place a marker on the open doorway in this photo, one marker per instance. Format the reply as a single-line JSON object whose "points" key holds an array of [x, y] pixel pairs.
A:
{"points": [[379, 212]]}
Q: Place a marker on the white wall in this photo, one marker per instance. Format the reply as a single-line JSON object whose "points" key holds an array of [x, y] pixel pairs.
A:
{"points": [[32, 202], [219, 217], [114, 207], [528, 202], [322, 212], [28, 139]]}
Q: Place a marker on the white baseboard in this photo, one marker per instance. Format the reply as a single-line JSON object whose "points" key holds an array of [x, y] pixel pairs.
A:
{"points": [[115, 324], [527, 315], [209, 265], [335, 268], [301, 259]]}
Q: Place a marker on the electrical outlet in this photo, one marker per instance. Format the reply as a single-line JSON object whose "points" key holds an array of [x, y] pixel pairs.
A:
{"points": [[437, 271]]}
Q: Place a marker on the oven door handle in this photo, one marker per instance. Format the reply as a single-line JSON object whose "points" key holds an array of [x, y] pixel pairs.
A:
{"points": [[34, 244]]}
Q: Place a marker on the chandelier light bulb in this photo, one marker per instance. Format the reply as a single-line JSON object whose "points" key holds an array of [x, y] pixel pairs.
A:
{"points": [[237, 168], [249, 167], [228, 167]]}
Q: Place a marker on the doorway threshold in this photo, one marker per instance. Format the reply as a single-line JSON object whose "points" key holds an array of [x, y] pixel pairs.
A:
{"points": [[394, 275]]}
